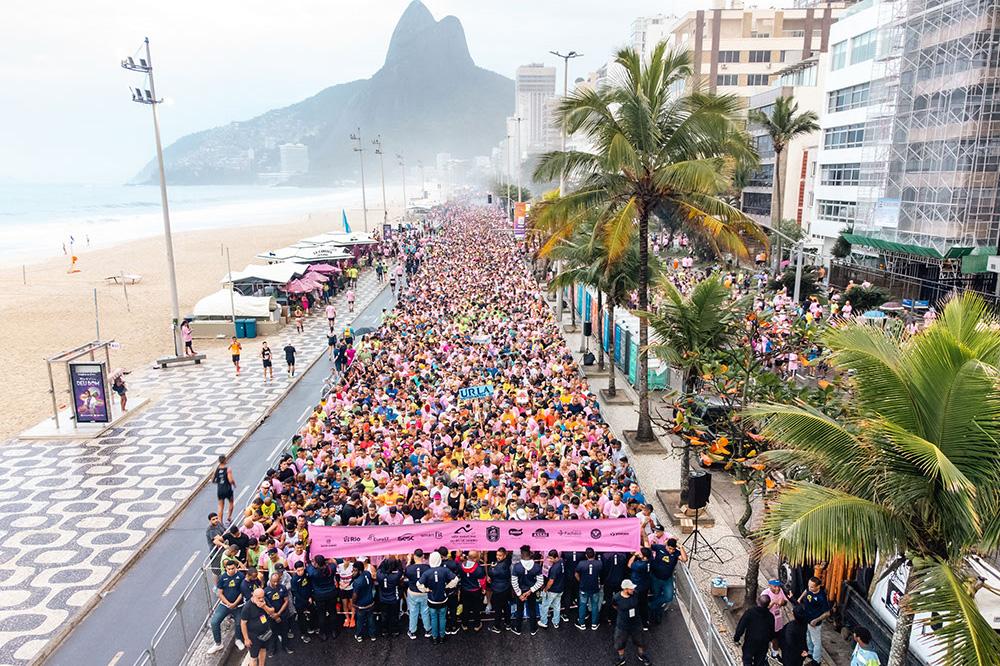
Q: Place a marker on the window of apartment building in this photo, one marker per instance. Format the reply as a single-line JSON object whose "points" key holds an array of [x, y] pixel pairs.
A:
{"points": [[757, 79], [729, 56], [764, 146], [850, 97], [757, 203], [760, 56], [840, 174], [844, 136], [837, 211], [762, 176], [727, 80], [838, 55], [863, 47]]}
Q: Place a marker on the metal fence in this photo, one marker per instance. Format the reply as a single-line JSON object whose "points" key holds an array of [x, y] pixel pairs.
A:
{"points": [[713, 647], [179, 631]]}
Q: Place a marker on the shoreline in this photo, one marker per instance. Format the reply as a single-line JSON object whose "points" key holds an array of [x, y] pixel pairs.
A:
{"points": [[55, 310]]}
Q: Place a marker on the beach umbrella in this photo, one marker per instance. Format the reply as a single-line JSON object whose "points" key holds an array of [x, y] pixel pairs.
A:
{"points": [[316, 277], [299, 286], [892, 306], [322, 268]]}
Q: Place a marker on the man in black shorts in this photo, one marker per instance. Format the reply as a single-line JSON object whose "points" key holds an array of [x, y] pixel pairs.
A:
{"points": [[224, 482], [331, 344], [265, 357], [290, 359], [258, 626], [628, 624]]}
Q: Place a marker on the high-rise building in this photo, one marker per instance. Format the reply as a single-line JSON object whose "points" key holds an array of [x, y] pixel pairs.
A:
{"points": [[648, 31], [294, 158], [534, 85], [740, 51]]}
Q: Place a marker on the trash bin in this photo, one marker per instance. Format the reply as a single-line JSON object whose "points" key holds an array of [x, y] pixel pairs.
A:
{"points": [[241, 328], [251, 327]]}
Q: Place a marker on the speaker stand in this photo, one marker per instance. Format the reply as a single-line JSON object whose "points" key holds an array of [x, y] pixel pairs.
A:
{"points": [[699, 542]]}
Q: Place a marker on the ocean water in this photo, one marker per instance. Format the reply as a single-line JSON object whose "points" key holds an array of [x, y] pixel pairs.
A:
{"points": [[36, 220]]}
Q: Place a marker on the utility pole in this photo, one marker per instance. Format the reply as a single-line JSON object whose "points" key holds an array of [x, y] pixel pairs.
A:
{"points": [[566, 58], [377, 142], [360, 150], [150, 98], [423, 185], [402, 164], [517, 161], [506, 193]]}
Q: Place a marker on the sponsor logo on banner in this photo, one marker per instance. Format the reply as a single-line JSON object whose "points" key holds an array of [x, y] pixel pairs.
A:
{"points": [[514, 531], [465, 529], [492, 533], [595, 533], [540, 534]]}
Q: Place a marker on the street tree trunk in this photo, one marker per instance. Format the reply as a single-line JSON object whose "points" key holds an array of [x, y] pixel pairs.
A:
{"points": [[904, 626], [776, 209], [611, 346], [600, 330], [750, 580], [644, 429]]}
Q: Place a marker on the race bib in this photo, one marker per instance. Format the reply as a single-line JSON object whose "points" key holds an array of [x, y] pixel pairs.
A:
{"points": [[631, 612]]}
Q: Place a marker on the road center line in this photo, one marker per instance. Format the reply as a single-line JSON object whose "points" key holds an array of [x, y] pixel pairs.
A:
{"points": [[180, 573], [116, 658]]}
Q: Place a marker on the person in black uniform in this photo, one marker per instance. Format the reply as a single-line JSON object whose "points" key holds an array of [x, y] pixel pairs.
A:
{"points": [[276, 596], [302, 599], [229, 591], [416, 599], [258, 627], [500, 591], [324, 585], [757, 627], [792, 639], [471, 586], [628, 623], [448, 562], [388, 579], [224, 483], [363, 598], [588, 577], [614, 571], [570, 598], [526, 580]]}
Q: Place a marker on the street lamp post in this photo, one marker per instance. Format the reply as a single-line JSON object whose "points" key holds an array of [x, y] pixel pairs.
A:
{"points": [[423, 185], [150, 98], [506, 193], [360, 150], [517, 160], [377, 142], [402, 165]]}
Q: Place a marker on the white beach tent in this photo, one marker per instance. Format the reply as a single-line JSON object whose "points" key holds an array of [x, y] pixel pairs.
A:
{"points": [[221, 304], [340, 238], [276, 274], [307, 253]]}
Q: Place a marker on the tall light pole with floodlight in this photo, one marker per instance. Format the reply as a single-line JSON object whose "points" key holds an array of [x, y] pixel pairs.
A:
{"points": [[402, 165], [360, 150], [377, 142]]}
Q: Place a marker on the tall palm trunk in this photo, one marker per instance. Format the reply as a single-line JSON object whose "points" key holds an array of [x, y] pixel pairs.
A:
{"points": [[776, 208], [751, 578], [611, 346], [600, 330], [644, 430], [904, 625]]}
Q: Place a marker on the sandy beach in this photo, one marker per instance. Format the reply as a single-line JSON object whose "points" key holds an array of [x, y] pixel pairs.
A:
{"points": [[54, 311]]}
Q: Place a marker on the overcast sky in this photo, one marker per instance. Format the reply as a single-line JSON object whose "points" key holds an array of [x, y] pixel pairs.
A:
{"points": [[64, 102]]}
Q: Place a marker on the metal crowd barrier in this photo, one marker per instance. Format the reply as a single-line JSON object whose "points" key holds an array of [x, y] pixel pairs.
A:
{"points": [[712, 647], [179, 631]]}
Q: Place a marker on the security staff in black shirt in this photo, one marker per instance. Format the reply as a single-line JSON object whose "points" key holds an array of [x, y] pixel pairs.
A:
{"points": [[615, 571], [628, 623], [447, 561], [501, 593], [526, 580], [302, 599], [276, 596], [570, 598]]}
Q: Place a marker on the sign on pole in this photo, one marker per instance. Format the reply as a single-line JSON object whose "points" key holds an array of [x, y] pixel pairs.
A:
{"points": [[88, 387], [472, 392]]}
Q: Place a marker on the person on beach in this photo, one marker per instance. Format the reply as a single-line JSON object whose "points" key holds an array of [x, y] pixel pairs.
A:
{"points": [[299, 320], [234, 349], [350, 300], [224, 484], [187, 337], [118, 386], [290, 359], [265, 357]]}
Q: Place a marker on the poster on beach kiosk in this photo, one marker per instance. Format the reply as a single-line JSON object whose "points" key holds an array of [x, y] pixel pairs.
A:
{"points": [[90, 400]]}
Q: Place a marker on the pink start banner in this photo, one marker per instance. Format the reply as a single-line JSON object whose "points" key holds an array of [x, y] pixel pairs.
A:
{"points": [[615, 535]]}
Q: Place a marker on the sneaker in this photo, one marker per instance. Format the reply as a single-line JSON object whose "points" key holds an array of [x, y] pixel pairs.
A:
{"points": [[643, 659], [289, 650], [359, 639], [580, 626], [495, 629], [543, 625], [596, 627], [215, 648], [372, 638], [451, 632], [427, 634], [516, 632], [534, 631], [621, 661], [305, 639], [240, 645], [412, 635]]}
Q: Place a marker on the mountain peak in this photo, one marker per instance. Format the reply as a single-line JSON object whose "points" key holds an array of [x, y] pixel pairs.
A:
{"points": [[418, 36]]}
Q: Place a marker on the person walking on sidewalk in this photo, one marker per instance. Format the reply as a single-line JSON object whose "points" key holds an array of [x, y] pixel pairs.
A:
{"points": [[234, 349], [224, 484], [290, 359], [817, 608], [756, 627], [350, 299], [265, 357], [331, 316], [628, 623]]}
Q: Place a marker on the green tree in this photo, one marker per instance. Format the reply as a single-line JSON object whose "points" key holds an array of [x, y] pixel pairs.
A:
{"points": [[690, 329], [783, 124], [864, 298], [912, 472], [651, 147]]}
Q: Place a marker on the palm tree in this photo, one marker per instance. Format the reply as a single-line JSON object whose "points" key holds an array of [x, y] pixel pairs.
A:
{"points": [[591, 264], [913, 474], [652, 147], [689, 327], [784, 124]]}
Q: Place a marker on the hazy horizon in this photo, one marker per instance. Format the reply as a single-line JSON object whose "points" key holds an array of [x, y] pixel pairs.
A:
{"points": [[69, 118]]}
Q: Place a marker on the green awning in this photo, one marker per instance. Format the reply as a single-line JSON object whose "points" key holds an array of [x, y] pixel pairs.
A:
{"points": [[905, 248]]}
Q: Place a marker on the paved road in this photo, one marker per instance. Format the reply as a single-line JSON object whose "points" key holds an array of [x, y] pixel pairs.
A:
{"points": [[123, 623], [669, 643]]}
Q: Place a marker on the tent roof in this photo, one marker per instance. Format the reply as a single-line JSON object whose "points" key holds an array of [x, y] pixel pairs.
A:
{"points": [[906, 248], [278, 273], [341, 238], [222, 302], [304, 253]]}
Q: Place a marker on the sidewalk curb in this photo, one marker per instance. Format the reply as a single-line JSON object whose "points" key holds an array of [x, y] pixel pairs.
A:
{"points": [[84, 610]]}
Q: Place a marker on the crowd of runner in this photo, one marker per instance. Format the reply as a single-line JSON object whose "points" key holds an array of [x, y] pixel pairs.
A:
{"points": [[390, 443]]}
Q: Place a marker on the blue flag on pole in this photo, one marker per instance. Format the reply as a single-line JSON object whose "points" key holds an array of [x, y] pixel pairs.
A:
{"points": [[347, 227]]}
